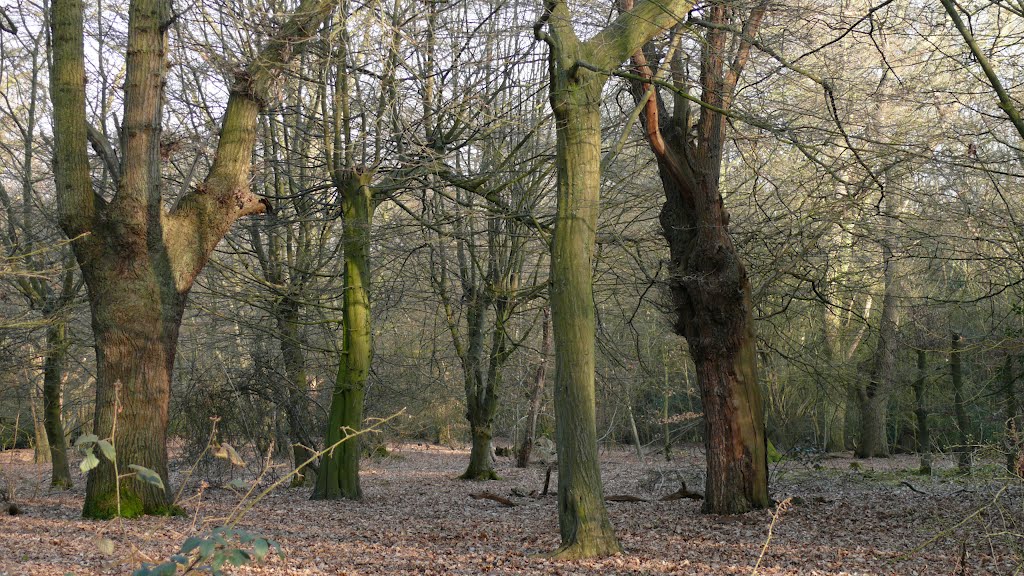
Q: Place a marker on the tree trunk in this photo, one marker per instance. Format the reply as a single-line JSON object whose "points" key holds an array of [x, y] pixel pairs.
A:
{"points": [[924, 441], [575, 96], [634, 433], [481, 463], [873, 396], [711, 297], [964, 451], [582, 518], [40, 444], [536, 394], [339, 469], [709, 284], [139, 259], [873, 421], [666, 429], [53, 374], [481, 390], [297, 389], [134, 361], [1013, 431]]}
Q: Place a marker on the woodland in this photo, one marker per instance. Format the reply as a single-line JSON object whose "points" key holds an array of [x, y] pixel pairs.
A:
{"points": [[474, 286]]}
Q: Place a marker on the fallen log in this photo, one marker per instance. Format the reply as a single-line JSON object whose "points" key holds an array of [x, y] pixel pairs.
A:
{"points": [[492, 496], [624, 498]]}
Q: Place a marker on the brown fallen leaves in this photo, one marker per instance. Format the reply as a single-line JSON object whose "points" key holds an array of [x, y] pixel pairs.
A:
{"points": [[418, 518]]}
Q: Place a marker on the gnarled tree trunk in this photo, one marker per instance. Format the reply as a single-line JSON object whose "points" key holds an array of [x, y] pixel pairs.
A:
{"points": [[138, 258], [709, 284]]}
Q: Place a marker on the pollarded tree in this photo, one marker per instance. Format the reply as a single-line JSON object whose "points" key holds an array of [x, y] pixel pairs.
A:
{"points": [[578, 73], [139, 257], [359, 196], [710, 287]]}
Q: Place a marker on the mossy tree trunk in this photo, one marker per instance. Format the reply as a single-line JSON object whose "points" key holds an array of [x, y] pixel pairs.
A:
{"points": [[138, 258], [577, 72], [585, 528], [339, 469], [482, 387], [53, 376], [709, 284]]}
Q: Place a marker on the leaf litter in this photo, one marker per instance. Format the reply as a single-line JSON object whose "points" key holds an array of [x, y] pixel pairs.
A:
{"points": [[841, 517]]}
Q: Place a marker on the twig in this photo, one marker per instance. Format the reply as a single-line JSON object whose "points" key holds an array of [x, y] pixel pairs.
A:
{"points": [[911, 486], [782, 507]]}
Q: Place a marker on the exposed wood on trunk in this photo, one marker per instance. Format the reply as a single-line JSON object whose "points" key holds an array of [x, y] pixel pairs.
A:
{"points": [[709, 284]]}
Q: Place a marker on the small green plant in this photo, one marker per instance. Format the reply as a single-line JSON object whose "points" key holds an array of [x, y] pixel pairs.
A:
{"points": [[209, 554], [87, 443]]}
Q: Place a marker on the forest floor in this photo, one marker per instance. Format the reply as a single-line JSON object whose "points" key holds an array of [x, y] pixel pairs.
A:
{"points": [[846, 516]]}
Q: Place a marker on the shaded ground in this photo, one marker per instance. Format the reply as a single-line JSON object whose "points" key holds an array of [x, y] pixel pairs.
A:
{"points": [[417, 518]]}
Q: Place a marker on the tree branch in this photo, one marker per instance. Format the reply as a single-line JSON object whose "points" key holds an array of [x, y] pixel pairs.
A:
{"points": [[1005, 101], [631, 30], [102, 147]]}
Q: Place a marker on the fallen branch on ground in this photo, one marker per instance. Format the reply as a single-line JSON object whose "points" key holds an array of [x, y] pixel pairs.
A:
{"points": [[683, 492], [624, 498], [493, 496]]}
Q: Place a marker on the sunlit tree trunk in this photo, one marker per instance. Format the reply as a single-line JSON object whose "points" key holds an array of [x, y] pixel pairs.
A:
{"points": [[709, 284], [339, 469], [575, 95], [139, 259]]}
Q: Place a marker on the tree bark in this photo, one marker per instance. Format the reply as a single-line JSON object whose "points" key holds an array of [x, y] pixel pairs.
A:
{"points": [[583, 520], [536, 394], [139, 259], [339, 469], [924, 442], [40, 444], [481, 395], [964, 452], [873, 396], [575, 96], [53, 375], [709, 284]]}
